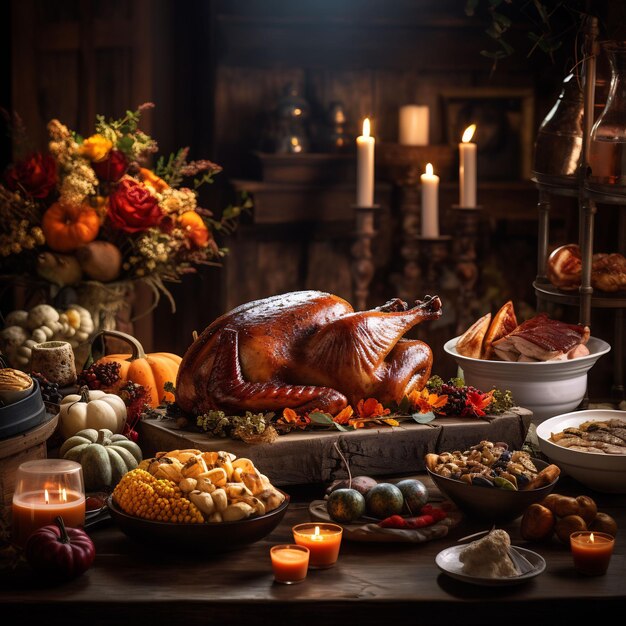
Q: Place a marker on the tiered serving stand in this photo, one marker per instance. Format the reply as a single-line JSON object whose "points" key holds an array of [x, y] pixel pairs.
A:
{"points": [[578, 185]]}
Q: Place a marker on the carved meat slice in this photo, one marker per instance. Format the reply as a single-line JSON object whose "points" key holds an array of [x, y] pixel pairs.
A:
{"points": [[542, 339]]}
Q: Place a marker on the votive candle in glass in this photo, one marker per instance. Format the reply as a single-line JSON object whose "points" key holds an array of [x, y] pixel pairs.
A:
{"points": [[45, 489], [290, 563], [591, 551], [322, 540]]}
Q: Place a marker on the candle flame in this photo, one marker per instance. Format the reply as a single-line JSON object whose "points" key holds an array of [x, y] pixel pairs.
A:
{"points": [[317, 530], [469, 133], [429, 169], [366, 127], [63, 495], [46, 497], [591, 539]]}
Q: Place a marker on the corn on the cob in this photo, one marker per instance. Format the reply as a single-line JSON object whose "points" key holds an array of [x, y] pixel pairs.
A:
{"points": [[140, 494]]}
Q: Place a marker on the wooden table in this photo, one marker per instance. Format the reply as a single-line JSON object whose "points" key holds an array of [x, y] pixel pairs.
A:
{"points": [[372, 583]]}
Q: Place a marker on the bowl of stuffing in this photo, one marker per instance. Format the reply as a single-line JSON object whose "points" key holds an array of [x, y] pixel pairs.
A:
{"points": [[543, 362], [589, 446], [490, 482]]}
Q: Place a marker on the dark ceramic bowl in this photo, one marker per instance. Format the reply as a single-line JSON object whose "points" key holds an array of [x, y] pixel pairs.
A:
{"points": [[207, 537], [18, 417], [491, 504]]}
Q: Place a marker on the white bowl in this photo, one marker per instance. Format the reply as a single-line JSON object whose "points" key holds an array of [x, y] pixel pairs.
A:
{"points": [[547, 388], [603, 472]]}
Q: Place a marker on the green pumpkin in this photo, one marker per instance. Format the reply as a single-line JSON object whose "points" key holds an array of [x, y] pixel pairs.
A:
{"points": [[105, 457]]}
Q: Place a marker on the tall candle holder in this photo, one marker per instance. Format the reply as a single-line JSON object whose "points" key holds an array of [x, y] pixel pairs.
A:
{"points": [[466, 229], [434, 252], [363, 259]]}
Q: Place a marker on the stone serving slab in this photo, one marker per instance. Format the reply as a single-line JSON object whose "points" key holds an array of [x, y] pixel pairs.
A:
{"points": [[300, 458]]}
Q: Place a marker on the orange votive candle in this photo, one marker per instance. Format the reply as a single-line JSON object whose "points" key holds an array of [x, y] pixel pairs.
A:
{"points": [[290, 563], [591, 551], [322, 540], [32, 510]]}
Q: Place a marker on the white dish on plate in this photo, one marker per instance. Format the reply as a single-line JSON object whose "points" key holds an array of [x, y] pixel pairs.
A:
{"points": [[603, 472], [448, 562], [547, 388]]}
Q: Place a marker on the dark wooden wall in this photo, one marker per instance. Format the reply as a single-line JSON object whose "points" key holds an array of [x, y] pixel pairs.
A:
{"points": [[216, 68]]}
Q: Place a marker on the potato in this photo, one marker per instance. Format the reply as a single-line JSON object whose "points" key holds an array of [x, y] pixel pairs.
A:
{"points": [[604, 523], [537, 523], [587, 508], [565, 505], [567, 525], [550, 501]]}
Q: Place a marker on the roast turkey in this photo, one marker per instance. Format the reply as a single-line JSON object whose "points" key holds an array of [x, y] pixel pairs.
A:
{"points": [[305, 350]]}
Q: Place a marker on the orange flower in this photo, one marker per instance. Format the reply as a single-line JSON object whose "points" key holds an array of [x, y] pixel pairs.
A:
{"points": [[344, 416], [371, 408], [426, 401], [289, 415], [150, 179]]}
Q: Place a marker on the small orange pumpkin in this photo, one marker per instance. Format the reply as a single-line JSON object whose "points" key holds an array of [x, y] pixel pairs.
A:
{"points": [[151, 371], [67, 227], [195, 228]]}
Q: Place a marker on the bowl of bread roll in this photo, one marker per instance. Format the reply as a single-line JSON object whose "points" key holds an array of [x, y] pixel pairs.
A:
{"points": [[542, 361]]}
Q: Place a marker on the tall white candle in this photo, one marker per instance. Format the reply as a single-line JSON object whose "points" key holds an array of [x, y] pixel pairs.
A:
{"points": [[430, 203], [365, 167], [413, 125], [467, 168]]}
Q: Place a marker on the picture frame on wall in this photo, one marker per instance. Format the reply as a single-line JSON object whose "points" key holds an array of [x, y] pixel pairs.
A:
{"points": [[504, 128]]}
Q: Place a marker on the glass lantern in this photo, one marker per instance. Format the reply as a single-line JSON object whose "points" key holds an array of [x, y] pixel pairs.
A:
{"points": [[607, 149]]}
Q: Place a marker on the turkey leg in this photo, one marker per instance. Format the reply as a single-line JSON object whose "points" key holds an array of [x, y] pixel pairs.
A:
{"points": [[408, 367], [228, 389]]}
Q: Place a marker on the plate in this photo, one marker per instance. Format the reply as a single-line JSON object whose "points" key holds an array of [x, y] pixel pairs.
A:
{"points": [[448, 562], [368, 530], [206, 537]]}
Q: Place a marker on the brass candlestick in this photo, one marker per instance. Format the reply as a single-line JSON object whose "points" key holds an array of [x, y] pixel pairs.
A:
{"points": [[466, 229], [363, 259]]}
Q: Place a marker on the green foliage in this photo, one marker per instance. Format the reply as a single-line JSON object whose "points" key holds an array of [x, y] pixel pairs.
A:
{"points": [[324, 419], [546, 23], [502, 401], [434, 384], [218, 424], [423, 418]]}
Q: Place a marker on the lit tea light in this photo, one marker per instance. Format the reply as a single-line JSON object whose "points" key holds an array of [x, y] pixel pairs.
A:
{"points": [[591, 551], [289, 563], [44, 490], [322, 540]]}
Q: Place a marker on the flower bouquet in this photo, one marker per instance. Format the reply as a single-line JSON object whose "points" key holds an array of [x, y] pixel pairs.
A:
{"points": [[91, 213]]}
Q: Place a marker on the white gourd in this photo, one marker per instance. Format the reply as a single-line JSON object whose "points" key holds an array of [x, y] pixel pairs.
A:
{"points": [[41, 315], [91, 409]]}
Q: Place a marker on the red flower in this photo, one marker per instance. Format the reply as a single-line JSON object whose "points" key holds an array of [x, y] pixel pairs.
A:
{"points": [[35, 175], [132, 208], [112, 168], [477, 401]]}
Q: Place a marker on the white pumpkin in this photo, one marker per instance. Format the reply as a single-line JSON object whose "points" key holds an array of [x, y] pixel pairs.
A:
{"points": [[91, 409]]}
